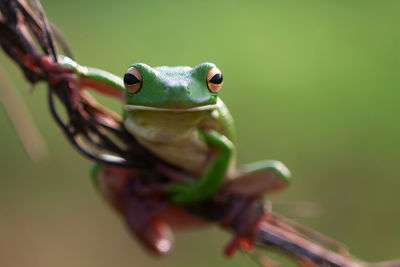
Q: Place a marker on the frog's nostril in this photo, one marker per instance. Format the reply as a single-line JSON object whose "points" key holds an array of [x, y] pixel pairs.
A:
{"points": [[166, 88], [187, 88]]}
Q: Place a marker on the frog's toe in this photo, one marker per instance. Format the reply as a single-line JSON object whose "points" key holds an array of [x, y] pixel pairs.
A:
{"points": [[260, 178], [270, 165]]}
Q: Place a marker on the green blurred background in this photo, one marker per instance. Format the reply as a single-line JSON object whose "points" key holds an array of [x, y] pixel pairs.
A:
{"points": [[312, 83]]}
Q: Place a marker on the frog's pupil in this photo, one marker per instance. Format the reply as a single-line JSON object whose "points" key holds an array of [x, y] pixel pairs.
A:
{"points": [[130, 79], [216, 79]]}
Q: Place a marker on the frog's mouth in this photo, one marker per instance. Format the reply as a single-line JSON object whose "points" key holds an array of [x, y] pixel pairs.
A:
{"points": [[175, 109]]}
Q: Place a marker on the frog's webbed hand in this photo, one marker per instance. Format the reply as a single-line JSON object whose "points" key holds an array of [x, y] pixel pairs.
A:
{"points": [[214, 176], [80, 77]]}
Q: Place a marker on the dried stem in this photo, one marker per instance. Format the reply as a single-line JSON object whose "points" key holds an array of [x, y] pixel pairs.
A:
{"points": [[21, 120], [98, 133]]}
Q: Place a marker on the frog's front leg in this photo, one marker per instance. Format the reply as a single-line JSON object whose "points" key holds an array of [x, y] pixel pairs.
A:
{"points": [[80, 77], [214, 176]]}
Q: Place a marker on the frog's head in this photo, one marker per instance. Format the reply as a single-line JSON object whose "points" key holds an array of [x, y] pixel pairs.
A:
{"points": [[172, 88]]}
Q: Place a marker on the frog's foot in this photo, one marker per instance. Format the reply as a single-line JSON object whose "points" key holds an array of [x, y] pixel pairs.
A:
{"points": [[245, 216], [259, 178], [144, 209], [140, 216], [247, 211]]}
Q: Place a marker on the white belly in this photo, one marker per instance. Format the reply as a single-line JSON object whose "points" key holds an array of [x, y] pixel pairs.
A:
{"points": [[190, 155], [172, 136]]}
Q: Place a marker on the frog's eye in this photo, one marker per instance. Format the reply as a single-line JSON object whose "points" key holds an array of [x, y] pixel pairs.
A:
{"points": [[214, 79], [132, 80]]}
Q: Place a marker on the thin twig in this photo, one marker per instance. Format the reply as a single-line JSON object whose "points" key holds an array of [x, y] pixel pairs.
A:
{"points": [[21, 120], [18, 25]]}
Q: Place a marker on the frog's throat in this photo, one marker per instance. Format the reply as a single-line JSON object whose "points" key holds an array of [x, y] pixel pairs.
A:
{"points": [[198, 108]]}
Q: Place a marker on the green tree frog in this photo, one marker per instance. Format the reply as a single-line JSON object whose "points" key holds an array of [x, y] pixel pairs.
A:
{"points": [[176, 113]]}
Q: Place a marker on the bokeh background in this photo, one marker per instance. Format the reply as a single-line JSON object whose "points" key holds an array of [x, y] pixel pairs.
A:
{"points": [[312, 83]]}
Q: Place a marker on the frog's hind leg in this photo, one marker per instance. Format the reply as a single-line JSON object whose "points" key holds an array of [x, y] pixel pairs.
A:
{"points": [[123, 190], [260, 178], [247, 212], [140, 213]]}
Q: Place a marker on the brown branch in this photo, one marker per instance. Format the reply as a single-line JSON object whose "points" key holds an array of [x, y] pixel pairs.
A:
{"points": [[278, 233], [95, 132]]}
